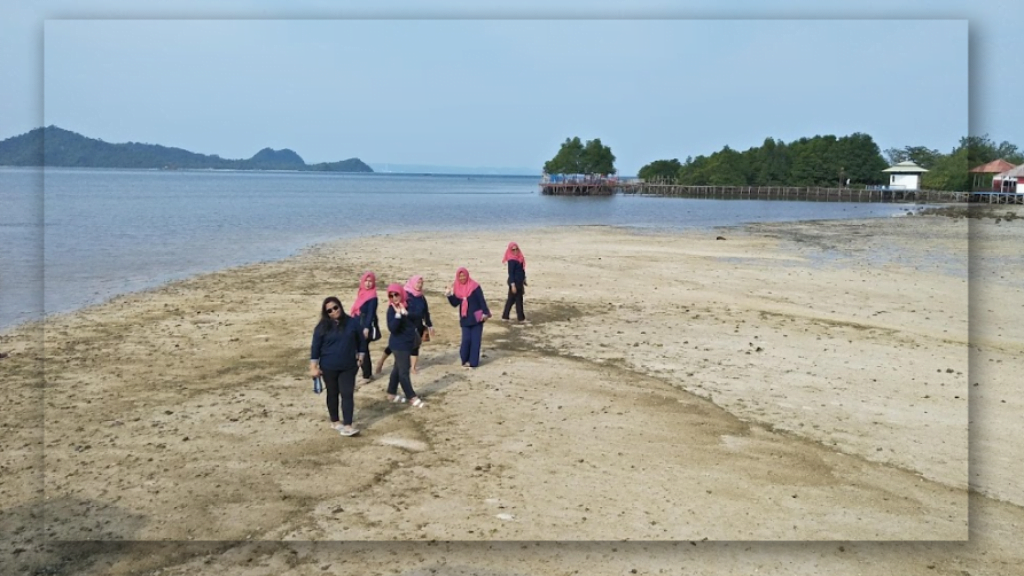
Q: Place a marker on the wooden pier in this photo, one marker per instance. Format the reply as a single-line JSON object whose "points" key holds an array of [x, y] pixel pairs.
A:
{"points": [[594, 187], [607, 187], [799, 193]]}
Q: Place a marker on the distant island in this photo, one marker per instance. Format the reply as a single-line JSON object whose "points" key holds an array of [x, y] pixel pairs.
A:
{"points": [[65, 148]]}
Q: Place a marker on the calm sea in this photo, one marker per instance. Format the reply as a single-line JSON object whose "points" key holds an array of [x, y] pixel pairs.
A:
{"points": [[75, 237]]}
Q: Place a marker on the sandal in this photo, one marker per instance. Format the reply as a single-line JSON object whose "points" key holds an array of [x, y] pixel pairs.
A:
{"points": [[397, 399], [417, 402]]}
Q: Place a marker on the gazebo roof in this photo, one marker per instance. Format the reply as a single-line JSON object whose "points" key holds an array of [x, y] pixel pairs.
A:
{"points": [[993, 167], [906, 167]]}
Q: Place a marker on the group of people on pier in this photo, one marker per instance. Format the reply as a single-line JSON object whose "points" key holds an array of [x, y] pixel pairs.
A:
{"points": [[341, 341]]}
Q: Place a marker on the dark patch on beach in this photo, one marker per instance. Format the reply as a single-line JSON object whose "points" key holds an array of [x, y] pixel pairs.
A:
{"points": [[521, 336], [978, 211]]}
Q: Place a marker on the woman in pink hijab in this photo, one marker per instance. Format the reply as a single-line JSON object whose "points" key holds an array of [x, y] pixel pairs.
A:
{"points": [[364, 309], [468, 297], [516, 281], [419, 309], [404, 328]]}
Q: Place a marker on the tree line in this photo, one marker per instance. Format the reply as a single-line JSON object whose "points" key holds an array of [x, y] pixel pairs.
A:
{"points": [[950, 171], [824, 160]]}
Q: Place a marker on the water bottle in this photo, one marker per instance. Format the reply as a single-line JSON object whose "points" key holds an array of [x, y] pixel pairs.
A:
{"points": [[318, 385]]}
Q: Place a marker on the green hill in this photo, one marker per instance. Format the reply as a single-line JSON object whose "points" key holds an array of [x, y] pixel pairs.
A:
{"points": [[70, 149]]}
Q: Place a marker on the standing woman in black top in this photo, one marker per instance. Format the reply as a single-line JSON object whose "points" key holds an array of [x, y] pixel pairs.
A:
{"points": [[417, 304], [516, 281], [467, 295], [336, 354], [404, 328], [365, 310]]}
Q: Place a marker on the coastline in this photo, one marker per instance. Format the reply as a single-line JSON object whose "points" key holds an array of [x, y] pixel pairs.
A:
{"points": [[544, 384], [86, 266]]}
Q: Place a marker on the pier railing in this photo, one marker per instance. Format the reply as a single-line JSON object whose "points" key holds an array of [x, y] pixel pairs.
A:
{"points": [[598, 186], [803, 193]]}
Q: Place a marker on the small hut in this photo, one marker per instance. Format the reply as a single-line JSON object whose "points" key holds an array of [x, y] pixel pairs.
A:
{"points": [[983, 176], [905, 176]]}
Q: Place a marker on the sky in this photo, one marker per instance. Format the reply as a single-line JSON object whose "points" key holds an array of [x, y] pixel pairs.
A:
{"points": [[467, 85]]}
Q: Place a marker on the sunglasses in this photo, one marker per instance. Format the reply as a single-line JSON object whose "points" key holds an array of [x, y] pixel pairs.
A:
{"points": [[332, 309], [393, 294]]}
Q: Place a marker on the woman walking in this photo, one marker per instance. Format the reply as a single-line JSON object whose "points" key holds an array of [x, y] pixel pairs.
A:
{"points": [[335, 356], [468, 296], [365, 309], [516, 281], [404, 333], [418, 308]]}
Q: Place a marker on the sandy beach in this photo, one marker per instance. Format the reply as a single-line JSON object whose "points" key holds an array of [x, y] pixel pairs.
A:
{"points": [[798, 398]]}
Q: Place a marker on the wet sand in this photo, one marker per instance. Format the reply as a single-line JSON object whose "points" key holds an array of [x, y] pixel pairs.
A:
{"points": [[793, 382]]}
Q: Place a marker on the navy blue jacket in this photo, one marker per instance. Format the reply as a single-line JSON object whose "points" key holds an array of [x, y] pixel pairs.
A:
{"points": [[476, 302], [403, 330], [368, 319], [418, 307], [516, 273], [336, 348]]}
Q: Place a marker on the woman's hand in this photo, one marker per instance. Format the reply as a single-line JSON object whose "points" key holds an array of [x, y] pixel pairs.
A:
{"points": [[366, 332], [513, 286], [314, 370]]}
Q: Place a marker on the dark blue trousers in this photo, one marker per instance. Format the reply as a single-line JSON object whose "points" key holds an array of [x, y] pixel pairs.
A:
{"points": [[341, 384], [472, 337], [400, 375]]}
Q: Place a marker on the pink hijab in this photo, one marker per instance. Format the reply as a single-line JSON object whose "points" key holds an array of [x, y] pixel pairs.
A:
{"points": [[509, 255], [398, 289], [463, 290], [410, 286], [364, 294]]}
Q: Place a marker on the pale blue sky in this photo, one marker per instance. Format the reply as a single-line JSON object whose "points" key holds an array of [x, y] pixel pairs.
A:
{"points": [[324, 80]]}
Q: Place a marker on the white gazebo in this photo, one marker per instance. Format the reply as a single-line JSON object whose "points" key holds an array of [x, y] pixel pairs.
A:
{"points": [[905, 176]]}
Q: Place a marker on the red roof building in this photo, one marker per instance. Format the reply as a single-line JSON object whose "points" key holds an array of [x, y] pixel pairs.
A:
{"points": [[983, 174]]}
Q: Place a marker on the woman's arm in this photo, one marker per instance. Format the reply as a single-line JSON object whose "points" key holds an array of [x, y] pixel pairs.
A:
{"points": [[479, 294], [371, 312], [394, 320], [314, 354], [362, 344]]}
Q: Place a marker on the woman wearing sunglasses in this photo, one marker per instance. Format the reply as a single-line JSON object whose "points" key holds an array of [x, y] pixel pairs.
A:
{"points": [[468, 296], [516, 281], [404, 328], [365, 309], [418, 308], [335, 355]]}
